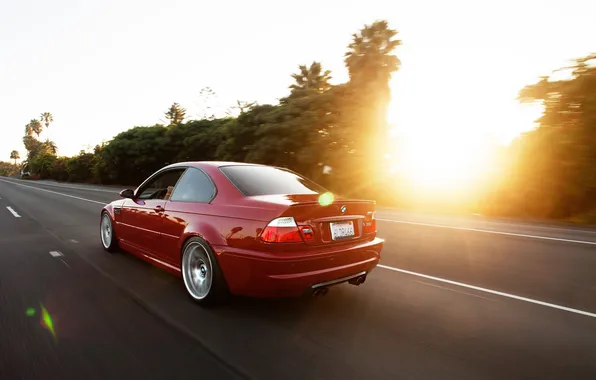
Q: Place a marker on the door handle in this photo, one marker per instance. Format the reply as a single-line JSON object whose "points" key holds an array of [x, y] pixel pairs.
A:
{"points": [[159, 209]]}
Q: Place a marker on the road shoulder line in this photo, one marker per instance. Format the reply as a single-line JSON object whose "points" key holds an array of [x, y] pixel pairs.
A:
{"points": [[490, 291], [54, 192], [489, 231]]}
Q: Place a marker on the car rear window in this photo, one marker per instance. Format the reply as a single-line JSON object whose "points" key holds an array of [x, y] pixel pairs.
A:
{"points": [[267, 180]]}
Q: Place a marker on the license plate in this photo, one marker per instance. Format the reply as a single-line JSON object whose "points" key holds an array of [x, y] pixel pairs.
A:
{"points": [[342, 230]]}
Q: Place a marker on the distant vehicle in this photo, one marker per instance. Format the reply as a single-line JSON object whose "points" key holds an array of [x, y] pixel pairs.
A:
{"points": [[244, 229]]}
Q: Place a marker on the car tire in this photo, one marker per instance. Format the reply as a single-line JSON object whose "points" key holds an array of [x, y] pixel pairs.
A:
{"points": [[106, 232], [201, 274]]}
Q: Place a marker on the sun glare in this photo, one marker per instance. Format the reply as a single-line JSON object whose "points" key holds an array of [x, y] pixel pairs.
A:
{"points": [[447, 128], [445, 162]]}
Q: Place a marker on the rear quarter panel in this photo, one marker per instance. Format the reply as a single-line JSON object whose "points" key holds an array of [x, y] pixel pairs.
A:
{"points": [[219, 225]]}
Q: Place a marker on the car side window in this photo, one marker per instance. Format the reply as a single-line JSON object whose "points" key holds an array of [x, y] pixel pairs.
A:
{"points": [[194, 186], [161, 186]]}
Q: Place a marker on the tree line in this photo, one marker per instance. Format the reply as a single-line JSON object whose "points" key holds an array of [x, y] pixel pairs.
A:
{"points": [[550, 172], [317, 125]]}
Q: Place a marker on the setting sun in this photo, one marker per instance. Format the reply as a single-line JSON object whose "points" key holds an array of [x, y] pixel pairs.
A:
{"points": [[442, 162], [447, 132]]}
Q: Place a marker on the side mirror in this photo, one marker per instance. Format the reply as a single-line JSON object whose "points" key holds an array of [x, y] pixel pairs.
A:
{"points": [[128, 193]]}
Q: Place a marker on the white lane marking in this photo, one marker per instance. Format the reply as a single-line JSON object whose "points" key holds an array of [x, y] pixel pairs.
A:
{"points": [[73, 241], [502, 294], [55, 192], [115, 191], [499, 223], [13, 212], [490, 231], [56, 253], [457, 291], [65, 263]]}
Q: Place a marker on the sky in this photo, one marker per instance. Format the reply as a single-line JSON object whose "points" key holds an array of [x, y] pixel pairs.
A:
{"points": [[101, 67]]}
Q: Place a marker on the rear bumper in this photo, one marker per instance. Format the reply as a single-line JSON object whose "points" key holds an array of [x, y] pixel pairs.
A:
{"points": [[284, 274]]}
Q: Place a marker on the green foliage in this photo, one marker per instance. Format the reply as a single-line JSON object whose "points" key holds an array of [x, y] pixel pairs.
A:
{"points": [[311, 78], [43, 165], [133, 154], [59, 170], [370, 58], [318, 124], [8, 169], [33, 127], [80, 167], [552, 172], [175, 114], [371, 62], [32, 145], [46, 118], [14, 155]]}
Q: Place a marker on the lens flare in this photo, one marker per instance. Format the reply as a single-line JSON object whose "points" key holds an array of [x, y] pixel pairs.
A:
{"points": [[326, 199], [46, 321], [30, 312]]}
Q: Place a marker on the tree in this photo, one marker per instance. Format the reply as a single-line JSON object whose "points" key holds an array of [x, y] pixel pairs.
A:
{"points": [[311, 78], [207, 100], [175, 114], [80, 167], [370, 59], [241, 135], [34, 127], [552, 173], [133, 155], [8, 170], [371, 62], [316, 125], [47, 119], [239, 108], [43, 165], [32, 145], [14, 155], [50, 147]]}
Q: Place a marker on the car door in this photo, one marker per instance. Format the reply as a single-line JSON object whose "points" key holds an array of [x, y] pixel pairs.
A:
{"points": [[142, 216], [187, 208]]}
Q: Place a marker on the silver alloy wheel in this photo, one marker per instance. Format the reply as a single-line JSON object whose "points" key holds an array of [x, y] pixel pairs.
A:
{"points": [[106, 231], [197, 270]]}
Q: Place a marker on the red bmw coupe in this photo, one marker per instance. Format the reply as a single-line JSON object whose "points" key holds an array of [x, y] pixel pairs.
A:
{"points": [[244, 229]]}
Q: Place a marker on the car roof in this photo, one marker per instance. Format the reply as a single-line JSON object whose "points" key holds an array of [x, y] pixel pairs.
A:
{"points": [[215, 164]]}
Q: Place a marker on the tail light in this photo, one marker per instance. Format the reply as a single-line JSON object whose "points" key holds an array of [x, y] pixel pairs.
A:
{"points": [[370, 224], [282, 230]]}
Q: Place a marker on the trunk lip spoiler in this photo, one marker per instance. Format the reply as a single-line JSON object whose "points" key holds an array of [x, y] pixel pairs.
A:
{"points": [[338, 218]]}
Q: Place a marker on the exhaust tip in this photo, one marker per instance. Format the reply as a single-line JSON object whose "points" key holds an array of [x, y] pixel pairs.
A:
{"points": [[318, 292], [358, 280]]}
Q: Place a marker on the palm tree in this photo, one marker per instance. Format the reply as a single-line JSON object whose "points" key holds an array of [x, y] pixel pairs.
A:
{"points": [[14, 155], [312, 78], [34, 126], [369, 58], [175, 114], [371, 62], [47, 118], [50, 147]]}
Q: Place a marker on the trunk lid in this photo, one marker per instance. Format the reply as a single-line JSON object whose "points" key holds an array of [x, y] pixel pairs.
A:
{"points": [[342, 221]]}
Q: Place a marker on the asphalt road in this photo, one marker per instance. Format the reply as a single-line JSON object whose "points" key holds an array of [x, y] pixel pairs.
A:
{"points": [[455, 298]]}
